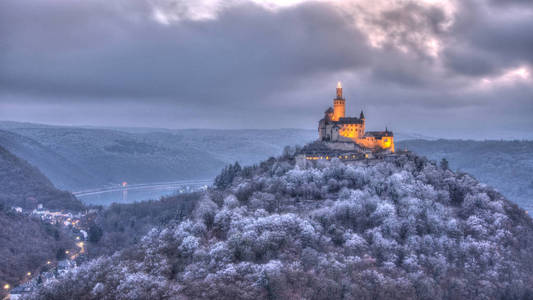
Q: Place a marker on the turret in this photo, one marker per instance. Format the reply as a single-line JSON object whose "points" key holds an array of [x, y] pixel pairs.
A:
{"points": [[339, 104], [362, 128], [328, 114]]}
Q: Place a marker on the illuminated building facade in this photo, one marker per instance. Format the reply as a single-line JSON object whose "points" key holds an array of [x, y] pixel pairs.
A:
{"points": [[336, 127]]}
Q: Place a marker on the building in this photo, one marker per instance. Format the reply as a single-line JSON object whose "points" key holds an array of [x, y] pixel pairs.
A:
{"points": [[21, 291], [64, 265], [337, 128]]}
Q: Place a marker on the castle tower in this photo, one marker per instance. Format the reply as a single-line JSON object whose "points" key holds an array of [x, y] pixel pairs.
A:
{"points": [[339, 104]]}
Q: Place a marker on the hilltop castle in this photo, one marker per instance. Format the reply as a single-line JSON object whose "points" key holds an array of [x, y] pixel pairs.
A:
{"points": [[337, 128]]}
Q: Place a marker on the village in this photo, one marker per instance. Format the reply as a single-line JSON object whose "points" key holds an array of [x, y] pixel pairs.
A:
{"points": [[55, 266], [76, 224]]}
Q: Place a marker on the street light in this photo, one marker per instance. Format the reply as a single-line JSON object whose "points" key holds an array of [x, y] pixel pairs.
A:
{"points": [[67, 252], [6, 286], [48, 262], [29, 273]]}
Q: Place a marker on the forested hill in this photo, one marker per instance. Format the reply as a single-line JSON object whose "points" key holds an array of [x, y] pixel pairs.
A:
{"points": [[77, 158], [505, 165], [400, 228], [24, 185], [26, 244]]}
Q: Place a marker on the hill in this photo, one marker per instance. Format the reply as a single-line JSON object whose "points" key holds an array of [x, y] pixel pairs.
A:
{"points": [[61, 171], [110, 157], [76, 158], [80, 158], [26, 245], [400, 228], [505, 165], [123, 225], [24, 185]]}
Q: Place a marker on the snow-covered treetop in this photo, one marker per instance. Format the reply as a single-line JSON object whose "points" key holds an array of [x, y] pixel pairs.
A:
{"points": [[403, 228]]}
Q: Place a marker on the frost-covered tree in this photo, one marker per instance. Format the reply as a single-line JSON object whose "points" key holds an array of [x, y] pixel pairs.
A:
{"points": [[401, 228]]}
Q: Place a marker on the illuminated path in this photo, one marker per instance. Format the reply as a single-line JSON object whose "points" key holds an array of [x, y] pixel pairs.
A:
{"points": [[146, 186]]}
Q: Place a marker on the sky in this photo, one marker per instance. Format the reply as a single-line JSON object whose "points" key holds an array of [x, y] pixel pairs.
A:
{"points": [[454, 69]]}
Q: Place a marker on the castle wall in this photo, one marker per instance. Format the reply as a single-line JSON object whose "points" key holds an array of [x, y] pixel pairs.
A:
{"points": [[352, 131], [386, 142], [343, 146]]}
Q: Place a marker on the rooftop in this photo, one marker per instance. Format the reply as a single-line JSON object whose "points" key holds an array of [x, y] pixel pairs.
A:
{"points": [[352, 120]]}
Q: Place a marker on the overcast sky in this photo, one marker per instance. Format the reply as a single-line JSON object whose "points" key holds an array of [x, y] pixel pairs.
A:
{"points": [[439, 68]]}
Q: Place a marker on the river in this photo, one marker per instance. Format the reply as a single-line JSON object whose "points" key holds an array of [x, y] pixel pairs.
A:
{"points": [[139, 192]]}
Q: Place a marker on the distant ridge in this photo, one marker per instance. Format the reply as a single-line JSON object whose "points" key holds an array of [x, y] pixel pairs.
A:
{"points": [[25, 186]]}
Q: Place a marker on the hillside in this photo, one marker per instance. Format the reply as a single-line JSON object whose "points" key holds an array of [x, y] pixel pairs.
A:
{"points": [[24, 185], [26, 245], [505, 165], [401, 228], [111, 157], [81, 158], [124, 225], [58, 169]]}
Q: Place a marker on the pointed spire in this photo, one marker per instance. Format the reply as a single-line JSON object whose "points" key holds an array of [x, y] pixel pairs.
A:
{"points": [[339, 90], [362, 115]]}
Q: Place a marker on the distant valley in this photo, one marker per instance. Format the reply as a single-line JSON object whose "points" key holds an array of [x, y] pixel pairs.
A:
{"points": [[80, 158], [76, 158]]}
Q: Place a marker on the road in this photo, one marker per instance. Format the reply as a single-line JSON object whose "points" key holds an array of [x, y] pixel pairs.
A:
{"points": [[146, 186]]}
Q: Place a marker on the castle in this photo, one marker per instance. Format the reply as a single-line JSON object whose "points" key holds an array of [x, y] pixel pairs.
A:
{"points": [[336, 128]]}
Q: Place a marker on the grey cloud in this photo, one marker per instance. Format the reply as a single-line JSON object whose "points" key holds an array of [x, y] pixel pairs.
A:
{"points": [[111, 63], [470, 62], [246, 50], [482, 44]]}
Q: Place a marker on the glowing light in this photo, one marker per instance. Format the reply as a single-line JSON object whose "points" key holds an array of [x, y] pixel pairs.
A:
{"points": [[29, 273], [386, 143], [6, 286], [339, 85]]}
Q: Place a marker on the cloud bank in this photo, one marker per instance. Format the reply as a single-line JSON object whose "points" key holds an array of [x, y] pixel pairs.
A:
{"points": [[442, 68]]}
